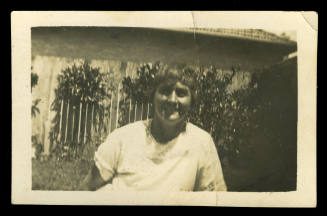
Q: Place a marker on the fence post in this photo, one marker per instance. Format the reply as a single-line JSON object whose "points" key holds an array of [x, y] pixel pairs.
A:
{"points": [[135, 111], [79, 121], [67, 120], [147, 113], [117, 116], [130, 109], [103, 116], [73, 123], [142, 112], [85, 122], [92, 115], [110, 108], [60, 121]]}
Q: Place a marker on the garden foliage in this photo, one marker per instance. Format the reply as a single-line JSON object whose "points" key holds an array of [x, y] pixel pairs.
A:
{"points": [[80, 85], [35, 110], [34, 81]]}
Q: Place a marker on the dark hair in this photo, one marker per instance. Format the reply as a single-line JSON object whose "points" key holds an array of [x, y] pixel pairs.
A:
{"points": [[176, 72]]}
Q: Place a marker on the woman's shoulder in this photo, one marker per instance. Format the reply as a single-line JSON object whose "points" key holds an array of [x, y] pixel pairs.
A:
{"points": [[200, 139], [132, 126], [129, 131], [125, 136], [197, 133]]}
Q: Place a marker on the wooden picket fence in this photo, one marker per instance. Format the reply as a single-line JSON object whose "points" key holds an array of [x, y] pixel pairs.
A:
{"points": [[79, 120]]}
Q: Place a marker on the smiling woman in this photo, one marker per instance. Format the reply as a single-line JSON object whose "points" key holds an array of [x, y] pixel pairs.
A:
{"points": [[164, 153], [172, 99]]}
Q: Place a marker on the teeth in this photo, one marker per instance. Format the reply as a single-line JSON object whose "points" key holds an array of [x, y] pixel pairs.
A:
{"points": [[171, 109]]}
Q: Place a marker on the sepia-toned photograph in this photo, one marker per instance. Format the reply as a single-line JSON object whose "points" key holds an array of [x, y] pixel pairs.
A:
{"points": [[125, 108]]}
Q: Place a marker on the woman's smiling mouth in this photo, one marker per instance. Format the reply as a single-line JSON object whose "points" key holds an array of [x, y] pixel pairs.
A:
{"points": [[171, 111]]}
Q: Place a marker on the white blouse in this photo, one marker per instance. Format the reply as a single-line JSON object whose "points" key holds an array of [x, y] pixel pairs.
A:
{"points": [[135, 161]]}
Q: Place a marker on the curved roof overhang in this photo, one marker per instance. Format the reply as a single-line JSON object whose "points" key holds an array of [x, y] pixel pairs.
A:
{"points": [[149, 45]]}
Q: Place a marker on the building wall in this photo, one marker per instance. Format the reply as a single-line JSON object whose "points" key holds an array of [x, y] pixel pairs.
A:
{"points": [[149, 45]]}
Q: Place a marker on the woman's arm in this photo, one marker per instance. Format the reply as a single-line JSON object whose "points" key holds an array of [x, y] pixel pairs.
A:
{"points": [[106, 160], [93, 180], [210, 174]]}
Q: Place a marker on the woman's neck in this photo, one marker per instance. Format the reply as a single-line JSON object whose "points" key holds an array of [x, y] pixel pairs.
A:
{"points": [[164, 132]]}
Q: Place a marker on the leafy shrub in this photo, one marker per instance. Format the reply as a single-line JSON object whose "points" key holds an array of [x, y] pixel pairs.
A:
{"points": [[80, 84], [36, 144], [34, 81], [38, 147]]}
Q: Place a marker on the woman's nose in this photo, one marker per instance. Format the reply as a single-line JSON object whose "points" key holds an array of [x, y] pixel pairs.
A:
{"points": [[172, 97]]}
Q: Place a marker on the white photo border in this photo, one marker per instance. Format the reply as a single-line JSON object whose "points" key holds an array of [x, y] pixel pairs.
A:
{"points": [[304, 196]]}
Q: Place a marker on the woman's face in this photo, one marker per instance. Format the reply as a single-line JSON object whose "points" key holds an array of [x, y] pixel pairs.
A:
{"points": [[172, 101]]}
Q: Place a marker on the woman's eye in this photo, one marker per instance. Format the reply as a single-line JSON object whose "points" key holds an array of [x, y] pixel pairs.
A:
{"points": [[181, 92]]}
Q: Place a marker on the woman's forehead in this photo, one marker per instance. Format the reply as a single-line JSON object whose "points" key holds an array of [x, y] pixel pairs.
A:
{"points": [[173, 84]]}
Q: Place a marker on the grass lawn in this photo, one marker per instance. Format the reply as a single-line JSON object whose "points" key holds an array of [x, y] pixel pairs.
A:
{"points": [[52, 174]]}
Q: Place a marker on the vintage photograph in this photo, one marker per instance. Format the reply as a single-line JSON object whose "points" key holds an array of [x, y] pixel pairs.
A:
{"points": [[163, 109]]}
